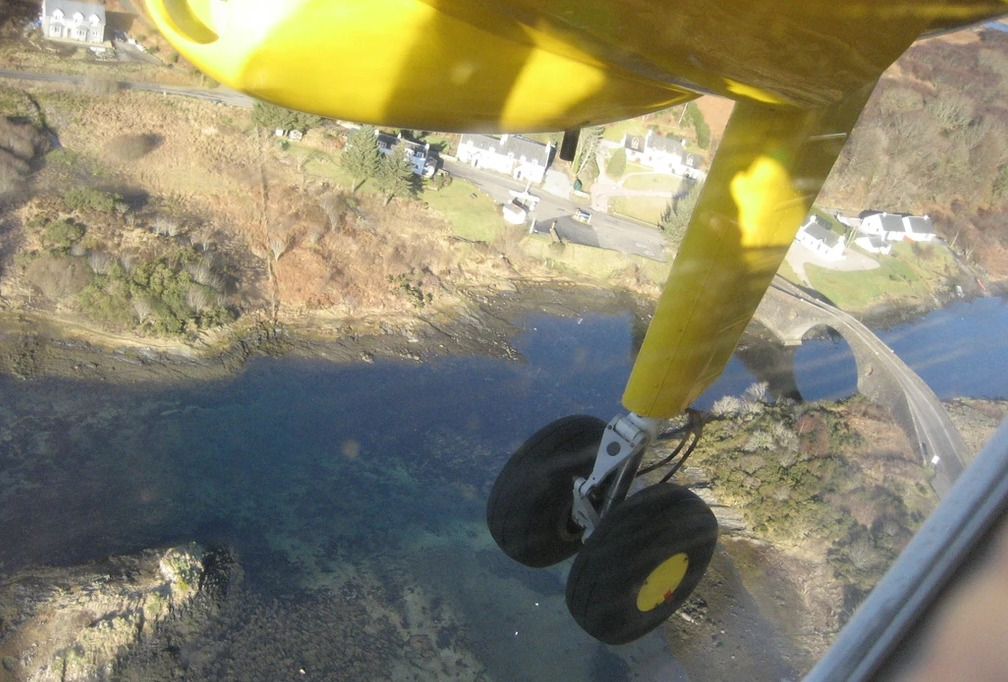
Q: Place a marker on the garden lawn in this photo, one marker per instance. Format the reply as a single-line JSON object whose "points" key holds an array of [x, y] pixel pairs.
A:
{"points": [[645, 209], [475, 218]]}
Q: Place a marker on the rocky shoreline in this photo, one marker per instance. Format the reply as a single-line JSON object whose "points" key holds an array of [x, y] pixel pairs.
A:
{"points": [[82, 623], [35, 345]]}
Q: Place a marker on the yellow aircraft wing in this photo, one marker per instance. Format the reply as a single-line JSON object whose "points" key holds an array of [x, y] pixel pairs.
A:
{"points": [[532, 65]]}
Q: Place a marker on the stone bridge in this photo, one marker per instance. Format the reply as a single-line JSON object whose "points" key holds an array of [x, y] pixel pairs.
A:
{"points": [[789, 314]]}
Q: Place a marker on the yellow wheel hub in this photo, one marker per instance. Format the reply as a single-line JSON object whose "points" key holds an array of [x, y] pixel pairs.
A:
{"points": [[662, 582]]}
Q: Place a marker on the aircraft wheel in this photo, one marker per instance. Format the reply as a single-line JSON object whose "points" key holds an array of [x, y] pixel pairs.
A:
{"points": [[529, 509], [643, 560]]}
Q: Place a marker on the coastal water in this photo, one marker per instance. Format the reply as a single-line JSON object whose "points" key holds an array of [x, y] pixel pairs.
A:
{"points": [[959, 351], [353, 494]]}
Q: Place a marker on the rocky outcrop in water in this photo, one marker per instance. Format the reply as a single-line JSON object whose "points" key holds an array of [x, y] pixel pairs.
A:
{"points": [[79, 623]]}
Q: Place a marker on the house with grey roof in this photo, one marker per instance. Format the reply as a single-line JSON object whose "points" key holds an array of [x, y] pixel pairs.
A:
{"points": [[514, 155], [895, 227], [661, 154], [874, 244], [418, 153], [74, 21], [820, 239]]}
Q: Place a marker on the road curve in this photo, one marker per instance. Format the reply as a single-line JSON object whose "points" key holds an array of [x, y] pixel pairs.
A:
{"points": [[938, 439]]}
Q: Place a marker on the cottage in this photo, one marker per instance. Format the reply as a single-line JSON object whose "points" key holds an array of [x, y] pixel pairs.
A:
{"points": [[874, 244], [661, 154], [74, 21], [919, 228], [514, 155], [896, 227], [424, 164], [635, 146], [818, 238]]}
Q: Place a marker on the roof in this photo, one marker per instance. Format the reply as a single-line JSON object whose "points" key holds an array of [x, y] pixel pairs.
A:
{"points": [[69, 7], [891, 222], [817, 231], [669, 145], [919, 224], [505, 144], [634, 143], [388, 141]]}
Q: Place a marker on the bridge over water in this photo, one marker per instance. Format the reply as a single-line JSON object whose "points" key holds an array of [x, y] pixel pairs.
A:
{"points": [[789, 314]]}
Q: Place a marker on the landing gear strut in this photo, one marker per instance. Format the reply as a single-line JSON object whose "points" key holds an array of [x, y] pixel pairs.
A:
{"points": [[567, 490]]}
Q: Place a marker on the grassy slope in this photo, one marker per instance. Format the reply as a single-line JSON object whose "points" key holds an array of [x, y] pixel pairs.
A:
{"points": [[910, 276]]}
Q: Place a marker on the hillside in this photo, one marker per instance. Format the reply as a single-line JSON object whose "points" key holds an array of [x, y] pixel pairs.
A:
{"points": [[933, 140]]}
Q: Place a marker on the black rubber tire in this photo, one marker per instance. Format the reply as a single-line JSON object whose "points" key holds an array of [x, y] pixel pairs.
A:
{"points": [[529, 509], [655, 528]]}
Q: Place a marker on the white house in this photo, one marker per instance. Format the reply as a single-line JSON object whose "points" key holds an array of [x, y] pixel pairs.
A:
{"points": [[514, 155], [896, 227], [661, 154], [919, 228], [874, 244], [818, 238], [418, 153], [74, 21]]}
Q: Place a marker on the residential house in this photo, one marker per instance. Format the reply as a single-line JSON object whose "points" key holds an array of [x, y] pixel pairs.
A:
{"points": [[661, 154], [820, 239], [874, 244], [74, 21], [514, 155], [894, 227], [418, 153], [919, 228]]}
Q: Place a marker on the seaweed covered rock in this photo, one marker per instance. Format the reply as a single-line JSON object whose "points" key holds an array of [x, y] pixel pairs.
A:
{"points": [[78, 623]]}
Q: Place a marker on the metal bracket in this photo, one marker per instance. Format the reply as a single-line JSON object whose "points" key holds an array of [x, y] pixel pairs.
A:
{"points": [[620, 452]]}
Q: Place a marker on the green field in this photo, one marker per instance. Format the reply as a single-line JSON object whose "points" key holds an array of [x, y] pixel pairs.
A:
{"points": [[908, 276], [653, 182], [475, 218], [645, 209]]}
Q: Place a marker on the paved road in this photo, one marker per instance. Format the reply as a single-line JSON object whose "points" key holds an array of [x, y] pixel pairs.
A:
{"points": [[219, 94], [605, 231], [938, 439]]}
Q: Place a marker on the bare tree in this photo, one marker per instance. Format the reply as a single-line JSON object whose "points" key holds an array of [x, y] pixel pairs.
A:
{"points": [[279, 242]]}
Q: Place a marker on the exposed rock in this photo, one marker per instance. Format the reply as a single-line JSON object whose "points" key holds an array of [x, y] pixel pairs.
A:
{"points": [[76, 623]]}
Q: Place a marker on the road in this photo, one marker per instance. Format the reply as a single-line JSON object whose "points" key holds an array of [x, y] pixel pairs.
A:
{"points": [[605, 231], [219, 94], [938, 439]]}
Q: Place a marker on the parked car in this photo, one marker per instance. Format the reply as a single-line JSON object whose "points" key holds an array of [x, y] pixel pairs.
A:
{"points": [[583, 216]]}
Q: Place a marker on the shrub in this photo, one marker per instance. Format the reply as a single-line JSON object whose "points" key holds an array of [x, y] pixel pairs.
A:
{"points": [[616, 165], [90, 198], [61, 234], [165, 226]]}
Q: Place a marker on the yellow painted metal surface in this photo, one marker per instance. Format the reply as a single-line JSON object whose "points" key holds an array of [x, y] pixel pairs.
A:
{"points": [[662, 582], [406, 63], [768, 170], [531, 65]]}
